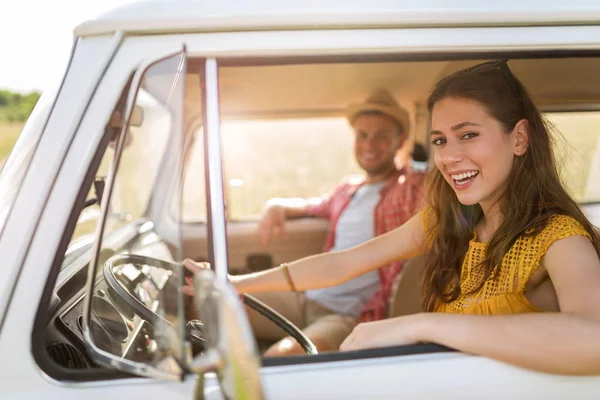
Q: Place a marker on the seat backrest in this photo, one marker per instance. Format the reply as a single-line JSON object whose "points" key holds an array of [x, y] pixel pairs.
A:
{"points": [[406, 298]]}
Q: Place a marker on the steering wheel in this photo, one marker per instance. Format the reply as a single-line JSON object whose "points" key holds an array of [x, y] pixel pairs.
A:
{"points": [[111, 265]]}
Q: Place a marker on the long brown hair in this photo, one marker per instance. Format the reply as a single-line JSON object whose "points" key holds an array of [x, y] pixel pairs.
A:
{"points": [[534, 192]]}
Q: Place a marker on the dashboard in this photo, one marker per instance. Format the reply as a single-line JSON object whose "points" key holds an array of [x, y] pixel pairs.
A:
{"points": [[115, 326]]}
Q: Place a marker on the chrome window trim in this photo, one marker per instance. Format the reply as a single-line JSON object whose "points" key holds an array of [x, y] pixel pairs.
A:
{"points": [[214, 171]]}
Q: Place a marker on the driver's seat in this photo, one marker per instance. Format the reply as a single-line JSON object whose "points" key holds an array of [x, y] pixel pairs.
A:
{"points": [[406, 298]]}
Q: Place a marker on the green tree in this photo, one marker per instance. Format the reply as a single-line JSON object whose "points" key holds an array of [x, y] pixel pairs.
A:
{"points": [[16, 107]]}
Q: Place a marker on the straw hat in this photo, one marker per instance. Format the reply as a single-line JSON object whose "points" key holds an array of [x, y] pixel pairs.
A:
{"points": [[381, 100]]}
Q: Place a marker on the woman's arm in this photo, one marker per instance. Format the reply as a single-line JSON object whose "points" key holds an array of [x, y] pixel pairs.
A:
{"points": [[333, 268], [567, 342]]}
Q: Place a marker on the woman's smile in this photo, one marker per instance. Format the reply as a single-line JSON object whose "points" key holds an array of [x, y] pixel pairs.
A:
{"points": [[461, 180]]}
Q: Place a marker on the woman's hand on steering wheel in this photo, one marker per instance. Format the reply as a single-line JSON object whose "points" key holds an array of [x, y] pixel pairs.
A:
{"points": [[194, 267]]}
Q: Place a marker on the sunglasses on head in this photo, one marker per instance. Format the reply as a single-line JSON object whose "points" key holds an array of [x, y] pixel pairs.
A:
{"points": [[503, 67]]}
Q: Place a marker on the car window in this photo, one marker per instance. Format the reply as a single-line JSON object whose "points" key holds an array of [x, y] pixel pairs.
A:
{"points": [[303, 157], [577, 145]]}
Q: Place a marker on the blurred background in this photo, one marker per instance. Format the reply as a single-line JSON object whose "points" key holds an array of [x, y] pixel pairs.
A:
{"points": [[35, 43]]}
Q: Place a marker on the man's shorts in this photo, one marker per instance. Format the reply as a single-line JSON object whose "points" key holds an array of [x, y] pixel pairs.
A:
{"points": [[315, 320]]}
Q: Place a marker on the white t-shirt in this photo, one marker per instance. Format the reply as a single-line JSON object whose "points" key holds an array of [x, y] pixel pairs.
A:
{"points": [[355, 226]]}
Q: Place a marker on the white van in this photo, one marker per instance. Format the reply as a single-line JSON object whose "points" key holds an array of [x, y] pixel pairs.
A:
{"points": [[167, 111]]}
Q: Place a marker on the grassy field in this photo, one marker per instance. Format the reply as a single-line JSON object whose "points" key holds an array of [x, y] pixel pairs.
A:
{"points": [[9, 131]]}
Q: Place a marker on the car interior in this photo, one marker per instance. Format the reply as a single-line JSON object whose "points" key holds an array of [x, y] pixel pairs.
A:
{"points": [[283, 134]]}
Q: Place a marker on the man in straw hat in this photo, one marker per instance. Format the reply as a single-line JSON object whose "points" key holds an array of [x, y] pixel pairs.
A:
{"points": [[357, 210]]}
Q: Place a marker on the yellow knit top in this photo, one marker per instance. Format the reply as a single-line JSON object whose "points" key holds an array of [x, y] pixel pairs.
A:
{"points": [[505, 293]]}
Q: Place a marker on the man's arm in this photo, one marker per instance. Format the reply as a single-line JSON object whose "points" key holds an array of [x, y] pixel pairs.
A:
{"points": [[277, 210], [289, 208]]}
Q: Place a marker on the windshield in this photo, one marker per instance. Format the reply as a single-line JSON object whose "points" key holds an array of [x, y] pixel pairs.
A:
{"points": [[134, 309]]}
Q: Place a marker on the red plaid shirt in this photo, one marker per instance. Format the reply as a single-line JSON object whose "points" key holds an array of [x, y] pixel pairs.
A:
{"points": [[400, 200]]}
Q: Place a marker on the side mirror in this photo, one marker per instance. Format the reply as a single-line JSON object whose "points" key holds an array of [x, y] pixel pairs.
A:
{"points": [[230, 347]]}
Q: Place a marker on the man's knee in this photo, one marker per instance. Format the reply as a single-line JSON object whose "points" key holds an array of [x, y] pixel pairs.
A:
{"points": [[285, 347], [289, 346]]}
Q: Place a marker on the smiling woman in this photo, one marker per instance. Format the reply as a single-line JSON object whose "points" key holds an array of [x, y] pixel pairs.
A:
{"points": [[490, 145]]}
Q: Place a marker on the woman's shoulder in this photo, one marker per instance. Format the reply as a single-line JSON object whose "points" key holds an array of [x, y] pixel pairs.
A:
{"points": [[559, 226]]}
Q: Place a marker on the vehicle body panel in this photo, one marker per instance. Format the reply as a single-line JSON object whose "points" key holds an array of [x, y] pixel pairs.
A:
{"points": [[163, 17]]}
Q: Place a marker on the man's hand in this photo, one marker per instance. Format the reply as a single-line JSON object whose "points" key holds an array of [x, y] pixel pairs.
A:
{"points": [[272, 223]]}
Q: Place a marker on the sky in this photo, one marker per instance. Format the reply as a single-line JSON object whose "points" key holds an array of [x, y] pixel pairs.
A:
{"points": [[36, 38]]}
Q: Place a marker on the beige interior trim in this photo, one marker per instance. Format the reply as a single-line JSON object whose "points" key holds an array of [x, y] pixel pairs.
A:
{"points": [[304, 237]]}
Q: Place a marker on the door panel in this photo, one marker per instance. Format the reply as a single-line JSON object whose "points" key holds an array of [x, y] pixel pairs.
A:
{"points": [[303, 237], [421, 376]]}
